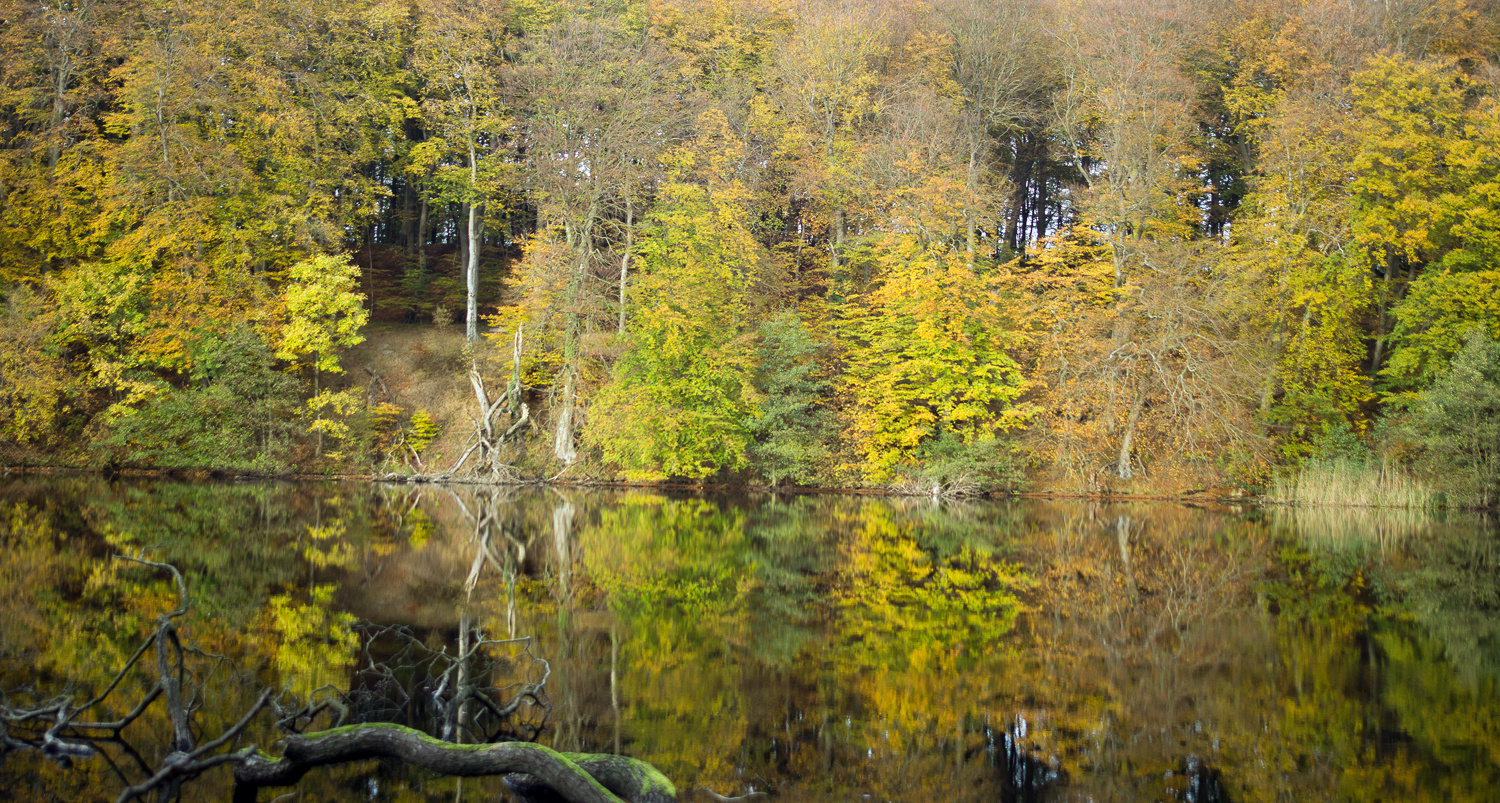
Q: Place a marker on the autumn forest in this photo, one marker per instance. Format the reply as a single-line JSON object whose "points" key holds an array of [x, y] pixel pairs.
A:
{"points": [[939, 246]]}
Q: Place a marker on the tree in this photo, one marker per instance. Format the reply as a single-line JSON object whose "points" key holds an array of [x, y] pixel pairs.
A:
{"points": [[1298, 282], [681, 396], [926, 353], [1146, 379], [791, 429], [1405, 116], [596, 108], [1125, 113], [1433, 322], [1007, 70], [826, 77], [459, 57], [724, 44], [55, 165], [34, 382], [1458, 422], [1135, 375], [324, 312], [237, 412], [324, 315]]}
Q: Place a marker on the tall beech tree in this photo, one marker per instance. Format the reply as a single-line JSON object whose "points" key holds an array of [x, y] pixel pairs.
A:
{"points": [[927, 343], [681, 397], [1303, 287], [1125, 113], [459, 58], [598, 111], [1427, 176]]}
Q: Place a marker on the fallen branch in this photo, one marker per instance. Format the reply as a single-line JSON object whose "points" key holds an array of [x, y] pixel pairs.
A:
{"points": [[577, 778]]}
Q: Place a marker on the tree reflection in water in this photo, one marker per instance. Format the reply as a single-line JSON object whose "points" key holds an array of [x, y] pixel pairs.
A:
{"points": [[832, 647]]}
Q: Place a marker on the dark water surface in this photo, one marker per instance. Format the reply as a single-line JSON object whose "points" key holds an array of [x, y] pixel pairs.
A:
{"points": [[817, 648]]}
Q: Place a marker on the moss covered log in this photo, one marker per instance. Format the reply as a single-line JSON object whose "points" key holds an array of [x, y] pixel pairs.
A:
{"points": [[574, 777]]}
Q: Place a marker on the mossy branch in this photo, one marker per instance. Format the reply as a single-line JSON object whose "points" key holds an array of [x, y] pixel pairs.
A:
{"points": [[577, 778]]}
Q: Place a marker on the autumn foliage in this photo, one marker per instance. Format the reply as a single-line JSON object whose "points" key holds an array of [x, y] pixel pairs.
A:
{"points": [[1122, 246]]}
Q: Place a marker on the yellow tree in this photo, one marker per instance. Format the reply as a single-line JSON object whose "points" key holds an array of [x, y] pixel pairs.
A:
{"points": [[724, 44], [1300, 285], [54, 164], [927, 344], [1425, 198], [324, 315], [1407, 115]]}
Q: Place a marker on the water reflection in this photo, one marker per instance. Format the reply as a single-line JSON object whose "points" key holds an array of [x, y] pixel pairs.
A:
{"points": [[819, 648], [1384, 529]]}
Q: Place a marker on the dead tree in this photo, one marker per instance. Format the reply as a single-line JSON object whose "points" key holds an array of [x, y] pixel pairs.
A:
{"points": [[487, 423], [451, 716], [68, 732]]}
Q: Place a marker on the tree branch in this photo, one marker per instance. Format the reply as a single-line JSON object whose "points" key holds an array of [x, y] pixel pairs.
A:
{"points": [[578, 778]]}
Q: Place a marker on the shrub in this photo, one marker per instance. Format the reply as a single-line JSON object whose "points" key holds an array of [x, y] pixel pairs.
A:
{"points": [[237, 412], [1457, 423]]}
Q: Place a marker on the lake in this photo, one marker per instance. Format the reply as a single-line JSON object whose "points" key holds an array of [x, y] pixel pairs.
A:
{"points": [[815, 648]]}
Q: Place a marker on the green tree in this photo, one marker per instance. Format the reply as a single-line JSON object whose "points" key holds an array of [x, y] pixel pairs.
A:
{"points": [[600, 109], [1434, 319], [680, 398], [1458, 422], [791, 429], [237, 412]]}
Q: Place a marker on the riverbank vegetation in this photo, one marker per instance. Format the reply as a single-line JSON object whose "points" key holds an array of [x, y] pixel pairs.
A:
{"points": [[1098, 246]]}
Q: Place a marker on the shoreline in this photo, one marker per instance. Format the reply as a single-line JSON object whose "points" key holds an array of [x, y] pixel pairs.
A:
{"points": [[222, 475]]}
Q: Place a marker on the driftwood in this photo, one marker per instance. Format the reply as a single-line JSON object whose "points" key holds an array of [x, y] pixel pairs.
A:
{"points": [[576, 777], [485, 438]]}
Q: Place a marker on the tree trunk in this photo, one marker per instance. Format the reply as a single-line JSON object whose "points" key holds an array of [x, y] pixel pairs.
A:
{"points": [[835, 237], [471, 273], [1123, 468], [971, 241], [475, 232], [422, 245], [625, 259], [581, 240], [562, 444], [576, 777]]}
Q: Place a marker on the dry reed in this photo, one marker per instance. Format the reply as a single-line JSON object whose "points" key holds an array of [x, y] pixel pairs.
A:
{"points": [[1351, 483]]}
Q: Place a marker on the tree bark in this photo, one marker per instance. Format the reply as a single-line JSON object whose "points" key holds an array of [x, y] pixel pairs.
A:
{"points": [[625, 258]]}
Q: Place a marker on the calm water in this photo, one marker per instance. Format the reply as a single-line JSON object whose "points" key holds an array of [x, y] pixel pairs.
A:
{"points": [[818, 649]]}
